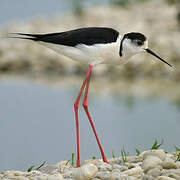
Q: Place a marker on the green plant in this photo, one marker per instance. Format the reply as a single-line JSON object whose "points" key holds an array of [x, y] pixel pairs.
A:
{"points": [[176, 148], [32, 167], [124, 155], [113, 155], [72, 162], [178, 157], [156, 145], [67, 163], [138, 152], [93, 157]]}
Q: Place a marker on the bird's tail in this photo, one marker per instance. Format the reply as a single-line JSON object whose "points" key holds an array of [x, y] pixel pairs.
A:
{"points": [[34, 37]]}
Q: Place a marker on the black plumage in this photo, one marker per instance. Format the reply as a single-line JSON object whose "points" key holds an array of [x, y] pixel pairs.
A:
{"points": [[88, 36]]}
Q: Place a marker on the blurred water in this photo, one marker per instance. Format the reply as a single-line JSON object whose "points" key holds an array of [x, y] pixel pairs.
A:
{"points": [[37, 124], [20, 10]]}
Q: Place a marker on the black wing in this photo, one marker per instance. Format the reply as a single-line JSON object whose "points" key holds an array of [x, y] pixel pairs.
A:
{"points": [[87, 36]]}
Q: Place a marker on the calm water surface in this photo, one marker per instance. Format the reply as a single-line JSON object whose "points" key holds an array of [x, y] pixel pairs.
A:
{"points": [[37, 124], [20, 10]]}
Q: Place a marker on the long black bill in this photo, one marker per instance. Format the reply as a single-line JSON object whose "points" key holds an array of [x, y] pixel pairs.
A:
{"points": [[152, 53]]}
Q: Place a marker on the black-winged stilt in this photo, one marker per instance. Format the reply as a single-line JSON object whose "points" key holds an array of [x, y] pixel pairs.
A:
{"points": [[93, 45]]}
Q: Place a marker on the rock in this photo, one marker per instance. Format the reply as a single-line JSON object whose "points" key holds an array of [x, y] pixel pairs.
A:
{"points": [[105, 175], [169, 164], [49, 169], [115, 161], [164, 178], [130, 165], [68, 173], [178, 164], [173, 173], [121, 168], [33, 173], [155, 172], [151, 162], [134, 159], [118, 176], [85, 172], [116, 170], [158, 153], [147, 177], [41, 177], [92, 161], [104, 167], [55, 177], [168, 172], [133, 171]]}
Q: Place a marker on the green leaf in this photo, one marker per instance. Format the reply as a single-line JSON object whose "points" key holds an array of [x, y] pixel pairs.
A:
{"points": [[31, 168], [72, 163], [93, 157], [178, 157], [156, 145], [138, 152], [40, 166], [67, 163], [113, 155], [177, 149], [124, 155]]}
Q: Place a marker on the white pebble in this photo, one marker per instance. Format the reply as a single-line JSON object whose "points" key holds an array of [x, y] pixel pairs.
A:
{"points": [[85, 172], [151, 162]]}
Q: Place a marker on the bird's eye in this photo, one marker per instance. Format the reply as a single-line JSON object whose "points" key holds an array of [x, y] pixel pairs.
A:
{"points": [[139, 43]]}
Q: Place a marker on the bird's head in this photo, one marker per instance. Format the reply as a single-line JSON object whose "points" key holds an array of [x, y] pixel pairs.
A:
{"points": [[135, 43]]}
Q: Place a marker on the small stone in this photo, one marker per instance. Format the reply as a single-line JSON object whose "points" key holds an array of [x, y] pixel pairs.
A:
{"points": [[85, 172], [175, 176], [104, 167], [169, 164], [33, 173], [133, 171], [151, 162], [49, 169], [116, 170], [130, 165], [147, 177], [171, 172], [134, 159], [55, 177], [115, 161], [157, 171], [117, 176], [178, 164], [92, 161], [158, 153], [165, 178], [121, 168], [104, 175]]}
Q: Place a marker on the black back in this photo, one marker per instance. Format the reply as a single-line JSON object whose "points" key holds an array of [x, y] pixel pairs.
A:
{"points": [[87, 36]]}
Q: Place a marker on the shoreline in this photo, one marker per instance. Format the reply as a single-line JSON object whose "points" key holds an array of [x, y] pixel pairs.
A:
{"points": [[148, 165]]}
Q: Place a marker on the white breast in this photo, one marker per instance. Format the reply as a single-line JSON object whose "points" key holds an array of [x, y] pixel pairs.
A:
{"points": [[94, 54]]}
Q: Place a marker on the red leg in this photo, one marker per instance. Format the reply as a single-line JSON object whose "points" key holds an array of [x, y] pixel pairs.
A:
{"points": [[76, 106], [90, 120]]}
